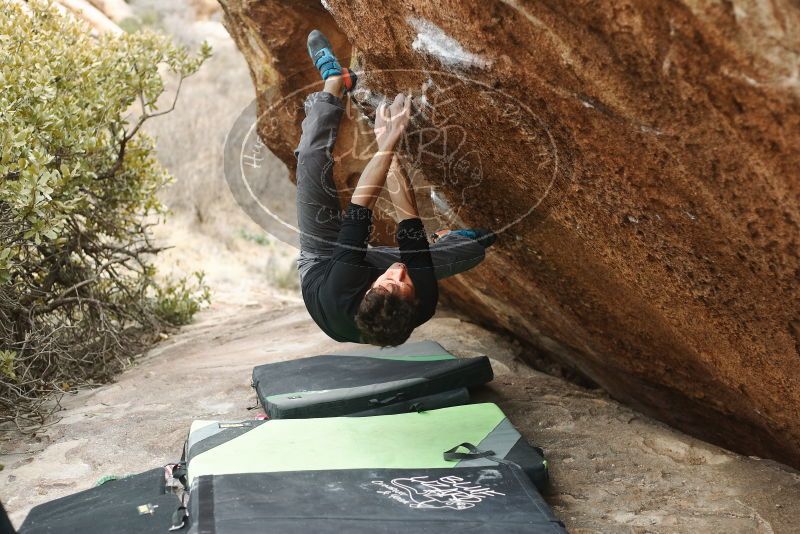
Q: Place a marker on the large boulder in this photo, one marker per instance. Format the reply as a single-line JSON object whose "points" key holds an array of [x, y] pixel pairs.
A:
{"points": [[641, 158]]}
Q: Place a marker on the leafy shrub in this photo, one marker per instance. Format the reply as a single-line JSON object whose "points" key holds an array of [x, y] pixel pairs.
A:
{"points": [[78, 293], [177, 302]]}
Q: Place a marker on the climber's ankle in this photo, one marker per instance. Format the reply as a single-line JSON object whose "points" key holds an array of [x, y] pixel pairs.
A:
{"points": [[335, 86], [439, 234]]}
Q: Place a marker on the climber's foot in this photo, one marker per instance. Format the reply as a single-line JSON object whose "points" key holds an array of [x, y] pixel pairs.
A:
{"points": [[481, 235], [321, 52]]}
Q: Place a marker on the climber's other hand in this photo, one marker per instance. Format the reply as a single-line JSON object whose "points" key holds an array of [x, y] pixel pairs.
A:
{"points": [[390, 122]]}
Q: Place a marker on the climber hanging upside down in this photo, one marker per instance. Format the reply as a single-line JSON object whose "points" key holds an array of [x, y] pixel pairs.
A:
{"points": [[375, 295]]}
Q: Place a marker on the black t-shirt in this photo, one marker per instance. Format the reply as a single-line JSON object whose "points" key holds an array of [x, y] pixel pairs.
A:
{"points": [[334, 288]]}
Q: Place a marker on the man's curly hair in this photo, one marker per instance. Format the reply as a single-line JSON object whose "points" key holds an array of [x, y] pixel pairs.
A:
{"points": [[385, 319]]}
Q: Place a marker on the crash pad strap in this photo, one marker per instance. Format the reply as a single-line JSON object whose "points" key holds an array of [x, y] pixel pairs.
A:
{"points": [[205, 500], [451, 455]]}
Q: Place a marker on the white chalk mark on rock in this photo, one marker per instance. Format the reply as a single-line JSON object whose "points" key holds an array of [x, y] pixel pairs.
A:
{"points": [[443, 208], [432, 40]]}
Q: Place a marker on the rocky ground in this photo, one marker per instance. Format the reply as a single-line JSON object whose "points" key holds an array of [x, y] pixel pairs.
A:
{"points": [[613, 470]]}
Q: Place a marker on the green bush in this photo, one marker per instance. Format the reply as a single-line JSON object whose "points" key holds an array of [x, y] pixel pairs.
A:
{"points": [[177, 302], [78, 293]]}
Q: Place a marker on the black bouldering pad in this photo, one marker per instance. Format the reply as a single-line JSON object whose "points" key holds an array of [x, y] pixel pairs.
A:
{"points": [[497, 499], [137, 504], [411, 377]]}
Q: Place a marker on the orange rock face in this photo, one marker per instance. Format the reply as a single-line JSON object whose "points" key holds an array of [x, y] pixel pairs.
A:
{"points": [[642, 160]]}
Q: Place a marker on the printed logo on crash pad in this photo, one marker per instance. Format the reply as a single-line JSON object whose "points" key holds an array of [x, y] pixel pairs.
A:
{"points": [[446, 492]]}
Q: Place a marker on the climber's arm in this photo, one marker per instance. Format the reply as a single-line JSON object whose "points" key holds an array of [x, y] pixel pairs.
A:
{"points": [[372, 180], [390, 121], [401, 191]]}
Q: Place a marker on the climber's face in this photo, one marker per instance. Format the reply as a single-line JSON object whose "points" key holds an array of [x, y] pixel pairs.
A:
{"points": [[396, 281]]}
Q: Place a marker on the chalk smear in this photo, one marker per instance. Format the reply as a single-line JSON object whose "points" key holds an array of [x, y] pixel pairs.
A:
{"points": [[432, 40]]}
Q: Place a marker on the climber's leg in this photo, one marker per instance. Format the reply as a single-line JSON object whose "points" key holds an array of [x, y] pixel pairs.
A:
{"points": [[482, 235], [451, 254], [318, 212]]}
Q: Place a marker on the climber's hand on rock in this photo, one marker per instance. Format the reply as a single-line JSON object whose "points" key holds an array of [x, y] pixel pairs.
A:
{"points": [[391, 121]]}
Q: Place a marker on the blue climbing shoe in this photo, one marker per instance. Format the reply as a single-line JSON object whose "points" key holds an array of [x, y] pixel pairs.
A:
{"points": [[481, 235], [321, 52]]}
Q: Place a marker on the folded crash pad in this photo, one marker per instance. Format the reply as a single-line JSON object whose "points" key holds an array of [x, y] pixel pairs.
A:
{"points": [[137, 504], [402, 441], [497, 499], [410, 377]]}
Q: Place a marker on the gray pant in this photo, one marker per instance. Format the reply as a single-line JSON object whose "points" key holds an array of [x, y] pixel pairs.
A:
{"points": [[318, 212]]}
